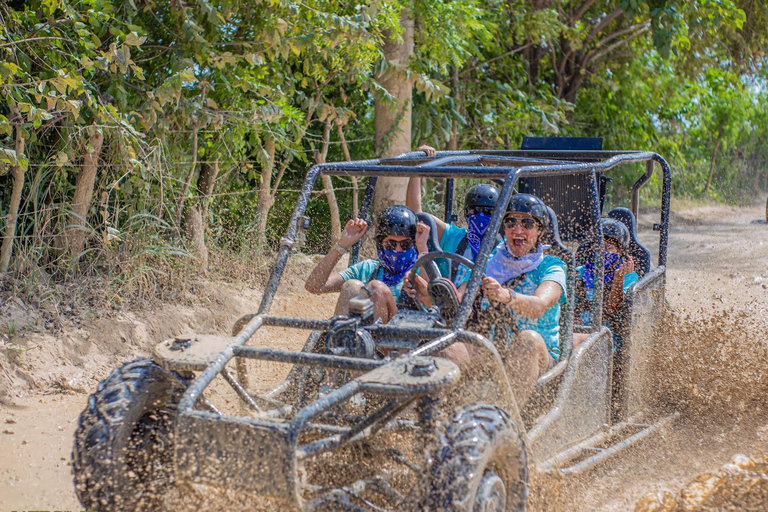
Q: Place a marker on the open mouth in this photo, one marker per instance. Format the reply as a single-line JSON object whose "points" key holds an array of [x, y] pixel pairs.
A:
{"points": [[518, 241]]}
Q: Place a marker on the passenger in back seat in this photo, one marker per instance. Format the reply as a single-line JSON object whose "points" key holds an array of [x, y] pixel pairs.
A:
{"points": [[478, 207], [619, 275]]}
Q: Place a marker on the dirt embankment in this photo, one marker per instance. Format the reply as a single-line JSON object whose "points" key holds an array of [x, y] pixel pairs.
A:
{"points": [[713, 371]]}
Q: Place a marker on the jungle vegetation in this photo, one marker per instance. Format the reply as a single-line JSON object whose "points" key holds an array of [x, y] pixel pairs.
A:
{"points": [[139, 131]]}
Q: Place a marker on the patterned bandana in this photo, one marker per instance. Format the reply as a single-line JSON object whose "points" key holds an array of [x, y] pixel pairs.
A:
{"points": [[396, 264], [503, 266], [612, 262], [477, 224]]}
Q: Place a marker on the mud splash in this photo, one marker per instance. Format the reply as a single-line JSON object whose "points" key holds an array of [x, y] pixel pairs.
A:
{"points": [[711, 362], [739, 485]]}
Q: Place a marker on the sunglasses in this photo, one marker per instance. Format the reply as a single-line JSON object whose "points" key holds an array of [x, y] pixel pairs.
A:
{"points": [[392, 245], [474, 210], [527, 223]]}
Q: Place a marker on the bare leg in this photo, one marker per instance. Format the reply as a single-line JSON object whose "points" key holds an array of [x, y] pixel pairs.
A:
{"points": [[384, 306], [578, 338], [349, 290], [527, 359]]}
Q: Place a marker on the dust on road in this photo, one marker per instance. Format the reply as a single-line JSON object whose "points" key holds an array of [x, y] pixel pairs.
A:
{"points": [[716, 286]]}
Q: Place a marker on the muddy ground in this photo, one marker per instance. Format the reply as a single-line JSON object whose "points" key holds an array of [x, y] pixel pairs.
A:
{"points": [[716, 286]]}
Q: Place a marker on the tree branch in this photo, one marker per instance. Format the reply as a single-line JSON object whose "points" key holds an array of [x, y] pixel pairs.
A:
{"points": [[21, 41], [580, 12], [595, 57], [620, 33], [600, 26]]}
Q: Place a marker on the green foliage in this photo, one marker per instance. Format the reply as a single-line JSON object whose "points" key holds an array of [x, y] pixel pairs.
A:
{"points": [[684, 78]]}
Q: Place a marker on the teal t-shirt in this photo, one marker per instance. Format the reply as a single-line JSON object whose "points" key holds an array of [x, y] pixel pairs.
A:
{"points": [[367, 270], [547, 325], [449, 242], [586, 315]]}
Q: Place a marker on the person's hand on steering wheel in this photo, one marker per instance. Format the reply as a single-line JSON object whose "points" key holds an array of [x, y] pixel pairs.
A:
{"points": [[416, 288]]}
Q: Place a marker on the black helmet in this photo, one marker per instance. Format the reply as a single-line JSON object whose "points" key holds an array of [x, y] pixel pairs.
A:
{"points": [[532, 205], [396, 220], [481, 195], [617, 230]]}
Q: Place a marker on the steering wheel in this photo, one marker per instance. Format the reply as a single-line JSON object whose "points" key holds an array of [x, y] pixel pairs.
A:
{"points": [[441, 290]]}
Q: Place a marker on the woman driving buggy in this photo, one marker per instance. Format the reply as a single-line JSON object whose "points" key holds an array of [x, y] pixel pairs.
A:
{"points": [[522, 292]]}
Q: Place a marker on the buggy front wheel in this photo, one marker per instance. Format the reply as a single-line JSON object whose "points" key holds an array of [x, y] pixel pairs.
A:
{"points": [[122, 456], [481, 465]]}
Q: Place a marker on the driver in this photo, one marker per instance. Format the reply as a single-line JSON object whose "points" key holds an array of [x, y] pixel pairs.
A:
{"points": [[478, 207], [522, 292], [400, 239]]}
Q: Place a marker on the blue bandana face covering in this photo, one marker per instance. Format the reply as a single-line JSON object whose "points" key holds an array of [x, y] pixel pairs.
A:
{"points": [[396, 264], [503, 266], [477, 224], [612, 262]]}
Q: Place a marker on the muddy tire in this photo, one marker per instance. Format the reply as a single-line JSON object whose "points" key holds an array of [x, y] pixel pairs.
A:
{"points": [[481, 465], [122, 458]]}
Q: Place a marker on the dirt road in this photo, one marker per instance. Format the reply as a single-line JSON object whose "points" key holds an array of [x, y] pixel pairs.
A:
{"points": [[716, 286]]}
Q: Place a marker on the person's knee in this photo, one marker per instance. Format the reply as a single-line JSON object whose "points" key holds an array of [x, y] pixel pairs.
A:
{"points": [[348, 290], [379, 290]]}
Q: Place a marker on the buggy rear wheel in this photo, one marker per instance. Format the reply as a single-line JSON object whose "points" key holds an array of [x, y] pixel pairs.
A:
{"points": [[481, 465], [123, 453]]}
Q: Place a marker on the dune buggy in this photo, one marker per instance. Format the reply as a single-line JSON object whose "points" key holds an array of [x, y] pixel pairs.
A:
{"points": [[351, 428]]}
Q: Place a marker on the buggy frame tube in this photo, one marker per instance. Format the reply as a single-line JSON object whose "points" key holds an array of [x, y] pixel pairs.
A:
{"points": [[309, 359]]}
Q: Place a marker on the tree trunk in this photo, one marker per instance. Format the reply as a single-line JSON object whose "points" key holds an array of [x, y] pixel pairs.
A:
{"points": [[205, 183], [190, 175], [392, 123], [712, 164], [196, 233], [333, 205], [81, 201], [355, 189], [266, 199], [13, 207]]}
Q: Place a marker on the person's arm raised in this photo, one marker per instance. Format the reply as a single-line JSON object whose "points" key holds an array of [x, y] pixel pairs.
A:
{"points": [[413, 201], [322, 279]]}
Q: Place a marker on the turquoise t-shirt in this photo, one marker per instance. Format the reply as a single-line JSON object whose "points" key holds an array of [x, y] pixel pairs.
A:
{"points": [[449, 242], [368, 270], [547, 325], [586, 315]]}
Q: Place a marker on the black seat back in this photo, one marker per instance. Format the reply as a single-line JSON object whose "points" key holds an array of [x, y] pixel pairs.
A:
{"points": [[573, 196], [639, 253]]}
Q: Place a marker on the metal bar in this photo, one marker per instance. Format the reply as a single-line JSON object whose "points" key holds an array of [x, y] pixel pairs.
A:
{"points": [[642, 180], [297, 323], [449, 198], [553, 169], [363, 213], [290, 236], [665, 200], [626, 443], [309, 359], [329, 443], [241, 392], [597, 303], [324, 403], [195, 390], [486, 246]]}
